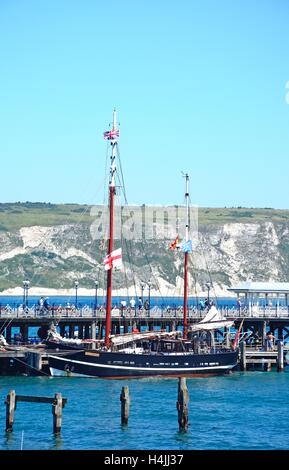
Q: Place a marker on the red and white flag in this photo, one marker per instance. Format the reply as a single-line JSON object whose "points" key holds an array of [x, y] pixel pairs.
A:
{"points": [[113, 260], [111, 135]]}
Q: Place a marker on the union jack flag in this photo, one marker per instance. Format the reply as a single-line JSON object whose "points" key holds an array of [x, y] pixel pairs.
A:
{"points": [[111, 135]]}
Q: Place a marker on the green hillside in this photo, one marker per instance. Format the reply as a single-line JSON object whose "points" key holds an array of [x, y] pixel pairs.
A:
{"points": [[13, 216]]}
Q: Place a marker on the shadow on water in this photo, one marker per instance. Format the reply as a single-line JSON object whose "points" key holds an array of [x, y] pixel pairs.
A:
{"points": [[57, 443], [183, 439], [9, 440]]}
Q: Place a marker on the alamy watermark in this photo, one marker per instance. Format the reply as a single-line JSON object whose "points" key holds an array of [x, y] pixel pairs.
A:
{"points": [[141, 223]]}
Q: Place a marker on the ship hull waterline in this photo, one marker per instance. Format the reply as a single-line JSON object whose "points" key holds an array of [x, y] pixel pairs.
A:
{"points": [[128, 365]]}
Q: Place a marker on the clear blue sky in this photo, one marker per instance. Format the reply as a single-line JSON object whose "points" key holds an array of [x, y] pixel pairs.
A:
{"points": [[199, 86]]}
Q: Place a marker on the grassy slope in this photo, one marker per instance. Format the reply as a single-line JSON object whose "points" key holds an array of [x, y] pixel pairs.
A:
{"points": [[16, 215]]}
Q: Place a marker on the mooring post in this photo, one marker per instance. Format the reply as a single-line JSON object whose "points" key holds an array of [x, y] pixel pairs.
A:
{"points": [[243, 363], [10, 409], [182, 404], [125, 403], [57, 413], [280, 358]]}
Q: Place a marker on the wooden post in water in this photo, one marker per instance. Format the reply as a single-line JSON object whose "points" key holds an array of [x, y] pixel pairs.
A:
{"points": [[10, 409], [280, 358], [182, 404], [57, 413], [243, 363], [125, 404]]}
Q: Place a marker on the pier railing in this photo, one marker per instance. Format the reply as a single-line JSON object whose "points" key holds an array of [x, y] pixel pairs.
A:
{"points": [[140, 313]]}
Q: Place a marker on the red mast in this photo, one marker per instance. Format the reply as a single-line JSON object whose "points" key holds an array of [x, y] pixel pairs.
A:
{"points": [[185, 296], [186, 259], [112, 136]]}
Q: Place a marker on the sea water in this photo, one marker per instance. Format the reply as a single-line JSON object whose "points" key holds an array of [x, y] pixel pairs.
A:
{"points": [[244, 410]]}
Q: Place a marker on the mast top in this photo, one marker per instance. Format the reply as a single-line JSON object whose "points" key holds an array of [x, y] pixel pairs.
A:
{"points": [[187, 198], [112, 134], [114, 120]]}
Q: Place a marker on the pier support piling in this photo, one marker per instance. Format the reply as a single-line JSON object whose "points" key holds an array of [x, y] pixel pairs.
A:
{"points": [[86, 331], [125, 404], [62, 329], [10, 410], [280, 358], [264, 326], [80, 330], [34, 360], [243, 362], [93, 332], [24, 333], [71, 330], [183, 404], [8, 334]]}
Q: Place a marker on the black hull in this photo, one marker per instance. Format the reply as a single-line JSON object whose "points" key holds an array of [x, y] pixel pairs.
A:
{"points": [[115, 365]]}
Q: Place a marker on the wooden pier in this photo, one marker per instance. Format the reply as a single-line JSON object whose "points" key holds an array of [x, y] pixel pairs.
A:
{"points": [[252, 358], [89, 323]]}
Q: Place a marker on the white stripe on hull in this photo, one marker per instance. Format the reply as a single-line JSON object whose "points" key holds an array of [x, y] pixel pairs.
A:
{"points": [[146, 369]]}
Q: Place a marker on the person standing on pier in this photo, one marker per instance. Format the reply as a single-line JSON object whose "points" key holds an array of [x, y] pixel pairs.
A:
{"points": [[270, 341], [40, 304], [238, 304], [132, 304], [140, 303]]}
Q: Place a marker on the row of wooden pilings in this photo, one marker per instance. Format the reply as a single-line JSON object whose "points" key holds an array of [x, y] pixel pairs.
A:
{"points": [[182, 405], [58, 403]]}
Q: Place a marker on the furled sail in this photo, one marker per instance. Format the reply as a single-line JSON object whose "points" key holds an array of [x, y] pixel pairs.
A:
{"points": [[213, 320], [132, 337]]}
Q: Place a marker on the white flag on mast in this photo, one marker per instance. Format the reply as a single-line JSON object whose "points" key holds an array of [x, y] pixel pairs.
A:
{"points": [[113, 260]]}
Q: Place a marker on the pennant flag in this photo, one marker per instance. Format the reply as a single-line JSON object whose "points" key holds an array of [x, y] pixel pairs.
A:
{"points": [[187, 247], [175, 243], [113, 260], [111, 135]]}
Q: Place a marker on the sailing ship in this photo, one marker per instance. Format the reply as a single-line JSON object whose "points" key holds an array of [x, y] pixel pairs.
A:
{"points": [[152, 353]]}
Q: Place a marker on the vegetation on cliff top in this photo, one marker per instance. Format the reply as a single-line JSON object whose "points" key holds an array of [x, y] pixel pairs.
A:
{"points": [[13, 216]]}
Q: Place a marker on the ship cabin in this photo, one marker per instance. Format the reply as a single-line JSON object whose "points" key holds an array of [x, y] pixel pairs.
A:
{"points": [[173, 346]]}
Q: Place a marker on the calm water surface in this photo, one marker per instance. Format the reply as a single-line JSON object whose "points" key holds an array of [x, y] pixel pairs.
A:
{"points": [[241, 411]]}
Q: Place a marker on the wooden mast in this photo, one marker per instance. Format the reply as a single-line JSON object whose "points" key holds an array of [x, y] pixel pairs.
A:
{"points": [[186, 260], [113, 144]]}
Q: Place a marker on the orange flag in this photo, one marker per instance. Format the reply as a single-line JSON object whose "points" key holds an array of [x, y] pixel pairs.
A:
{"points": [[175, 243]]}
